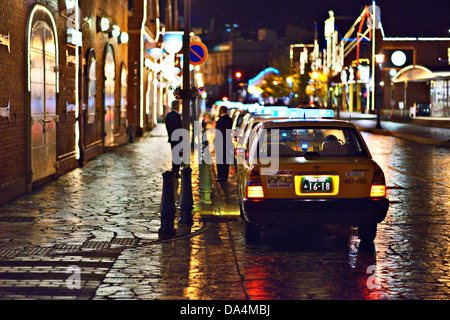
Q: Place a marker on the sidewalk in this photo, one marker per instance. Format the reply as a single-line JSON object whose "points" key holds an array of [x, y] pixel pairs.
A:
{"points": [[431, 131], [88, 221]]}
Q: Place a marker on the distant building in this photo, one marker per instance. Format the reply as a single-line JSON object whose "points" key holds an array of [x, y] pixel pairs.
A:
{"points": [[230, 65], [414, 71]]}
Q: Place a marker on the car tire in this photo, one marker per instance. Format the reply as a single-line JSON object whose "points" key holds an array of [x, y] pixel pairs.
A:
{"points": [[367, 232], [252, 233]]}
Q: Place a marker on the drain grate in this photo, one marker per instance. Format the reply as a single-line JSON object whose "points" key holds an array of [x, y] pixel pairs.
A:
{"points": [[16, 219], [125, 241], [36, 251], [96, 245], [69, 248], [9, 253]]}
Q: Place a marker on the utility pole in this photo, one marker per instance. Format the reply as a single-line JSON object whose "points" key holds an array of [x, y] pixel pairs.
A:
{"points": [[186, 71], [186, 183], [374, 78]]}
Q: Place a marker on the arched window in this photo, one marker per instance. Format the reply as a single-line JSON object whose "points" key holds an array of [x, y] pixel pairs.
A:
{"points": [[91, 86], [123, 94], [109, 102]]}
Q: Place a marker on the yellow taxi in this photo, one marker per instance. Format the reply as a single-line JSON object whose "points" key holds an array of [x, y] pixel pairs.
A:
{"points": [[310, 171], [247, 133], [252, 115]]}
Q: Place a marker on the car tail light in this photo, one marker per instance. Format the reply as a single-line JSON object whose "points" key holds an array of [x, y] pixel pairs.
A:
{"points": [[241, 152], [254, 187], [378, 188], [255, 192], [378, 191]]}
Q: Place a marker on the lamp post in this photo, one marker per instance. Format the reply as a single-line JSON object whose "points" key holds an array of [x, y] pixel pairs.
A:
{"points": [[186, 183], [186, 65], [172, 44], [379, 59]]}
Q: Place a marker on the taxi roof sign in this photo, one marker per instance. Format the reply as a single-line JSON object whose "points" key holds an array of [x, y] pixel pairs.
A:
{"points": [[307, 113]]}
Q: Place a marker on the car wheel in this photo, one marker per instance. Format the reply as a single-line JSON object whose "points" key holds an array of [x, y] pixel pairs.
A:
{"points": [[367, 232], [252, 233]]}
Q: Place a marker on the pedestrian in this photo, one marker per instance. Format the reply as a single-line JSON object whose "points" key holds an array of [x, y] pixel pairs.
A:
{"points": [[173, 122], [223, 145]]}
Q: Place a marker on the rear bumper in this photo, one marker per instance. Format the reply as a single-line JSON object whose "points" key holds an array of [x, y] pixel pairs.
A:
{"points": [[360, 211]]}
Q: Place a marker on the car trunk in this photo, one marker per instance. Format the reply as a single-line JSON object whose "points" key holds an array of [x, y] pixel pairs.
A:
{"points": [[325, 177]]}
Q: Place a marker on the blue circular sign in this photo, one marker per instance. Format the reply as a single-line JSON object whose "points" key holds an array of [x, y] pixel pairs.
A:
{"points": [[198, 53]]}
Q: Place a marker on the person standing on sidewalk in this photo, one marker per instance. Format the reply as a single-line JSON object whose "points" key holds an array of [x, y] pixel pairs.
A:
{"points": [[173, 122], [223, 144]]}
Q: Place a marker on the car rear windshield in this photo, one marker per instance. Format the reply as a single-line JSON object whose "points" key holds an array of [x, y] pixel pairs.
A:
{"points": [[295, 142]]}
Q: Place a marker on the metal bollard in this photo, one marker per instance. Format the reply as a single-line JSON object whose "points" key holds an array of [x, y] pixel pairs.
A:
{"points": [[187, 202], [168, 209], [205, 180]]}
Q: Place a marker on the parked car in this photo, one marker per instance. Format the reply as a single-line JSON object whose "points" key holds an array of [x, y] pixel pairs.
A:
{"points": [[423, 110], [324, 174]]}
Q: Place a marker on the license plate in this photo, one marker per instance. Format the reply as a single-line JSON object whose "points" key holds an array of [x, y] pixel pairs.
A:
{"points": [[323, 184]]}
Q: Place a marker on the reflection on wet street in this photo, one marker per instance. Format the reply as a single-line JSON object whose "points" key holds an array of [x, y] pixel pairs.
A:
{"points": [[412, 244], [410, 261]]}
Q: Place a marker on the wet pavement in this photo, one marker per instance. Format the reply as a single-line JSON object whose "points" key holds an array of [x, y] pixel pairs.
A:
{"points": [[92, 234], [434, 131]]}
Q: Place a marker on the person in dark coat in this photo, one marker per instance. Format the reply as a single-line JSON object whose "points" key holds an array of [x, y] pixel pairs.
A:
{"points": [[173, 122], [223, 145]]}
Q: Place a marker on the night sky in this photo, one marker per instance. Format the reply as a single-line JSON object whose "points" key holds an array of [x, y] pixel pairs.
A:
{"points": [[399, 17]]}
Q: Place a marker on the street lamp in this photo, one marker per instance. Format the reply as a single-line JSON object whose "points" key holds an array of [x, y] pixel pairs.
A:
{"points": [[289, 81], [379, 59], [186, 188], [172, 44], [173, 41]]}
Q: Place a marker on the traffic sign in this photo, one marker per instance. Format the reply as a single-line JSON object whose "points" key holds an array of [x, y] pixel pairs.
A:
{"points": [[198, 53]]}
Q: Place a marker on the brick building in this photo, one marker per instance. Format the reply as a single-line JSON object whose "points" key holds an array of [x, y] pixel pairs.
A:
{"points": [[63, 95], [103, 76], [141, 93]]}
